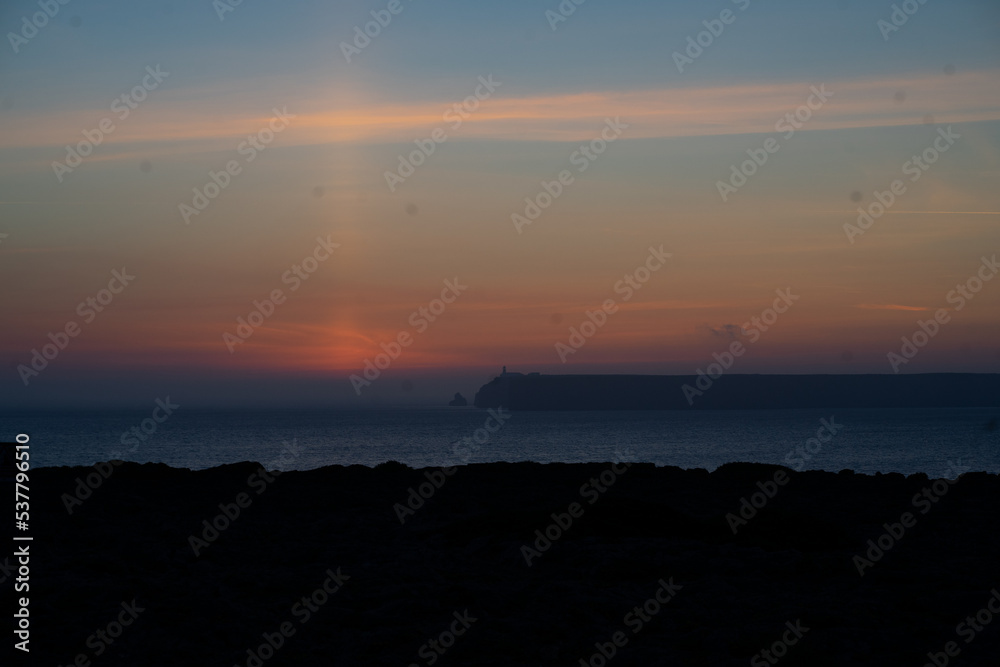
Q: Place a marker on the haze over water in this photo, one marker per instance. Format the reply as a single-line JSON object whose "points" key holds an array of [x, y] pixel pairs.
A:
{"points": [[869, 441]]}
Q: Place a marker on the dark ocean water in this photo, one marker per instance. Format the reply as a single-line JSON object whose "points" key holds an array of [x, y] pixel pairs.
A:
{"points": [[866, 441]]}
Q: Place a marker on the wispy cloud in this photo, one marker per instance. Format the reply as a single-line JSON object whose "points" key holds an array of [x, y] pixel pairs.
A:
{"points": [[889, 306], [667, 112], [951, 212]]}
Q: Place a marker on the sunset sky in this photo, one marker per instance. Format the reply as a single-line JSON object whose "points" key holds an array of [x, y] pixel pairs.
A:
{"points": [[547, 89]]}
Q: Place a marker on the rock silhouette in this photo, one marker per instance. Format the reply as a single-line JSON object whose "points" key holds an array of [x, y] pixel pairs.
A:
{"points": [[462, 549]]}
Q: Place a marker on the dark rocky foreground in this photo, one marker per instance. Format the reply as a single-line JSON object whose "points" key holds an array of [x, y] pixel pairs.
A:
{"points": [[654, 531]]}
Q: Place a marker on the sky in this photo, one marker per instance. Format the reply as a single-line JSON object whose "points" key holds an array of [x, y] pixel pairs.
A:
{"points": [[509, 167]]}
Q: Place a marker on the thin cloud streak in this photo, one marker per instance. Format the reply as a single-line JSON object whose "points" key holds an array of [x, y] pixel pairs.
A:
{"points": [[737, 109], [889, 306]]}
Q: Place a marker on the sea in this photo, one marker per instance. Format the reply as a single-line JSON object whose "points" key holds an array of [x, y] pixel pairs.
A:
{"points": [[932, 441]]}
